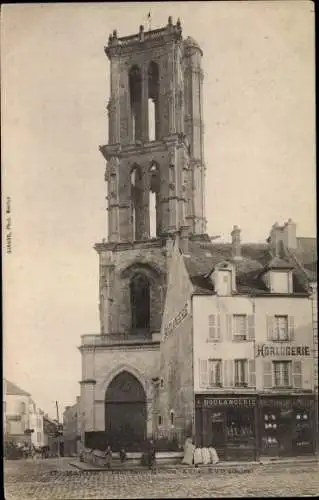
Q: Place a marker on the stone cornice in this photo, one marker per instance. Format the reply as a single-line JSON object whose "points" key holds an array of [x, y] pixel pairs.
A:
{"points": [[87, 381], [142, 41], [150, 346], [143, 148], [130, 245]]}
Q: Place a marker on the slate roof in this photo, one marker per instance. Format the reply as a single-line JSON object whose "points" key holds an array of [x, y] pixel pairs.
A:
{"points": [[14, 390], [306, 254], [203, 255], [279, 263]]}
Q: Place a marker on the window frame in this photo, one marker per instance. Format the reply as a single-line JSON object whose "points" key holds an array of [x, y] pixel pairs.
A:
{"points": [[276, 333], [216, 362], [237, 337], [244, 369], [281, 364]]}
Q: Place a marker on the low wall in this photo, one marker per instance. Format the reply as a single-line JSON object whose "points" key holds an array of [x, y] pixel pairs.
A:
{"points": [[97, 457]]}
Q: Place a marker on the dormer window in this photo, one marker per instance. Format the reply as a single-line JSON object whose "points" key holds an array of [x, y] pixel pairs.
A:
{"points": [[223, 278], [225, 282], [280, 281], [278, 276]]}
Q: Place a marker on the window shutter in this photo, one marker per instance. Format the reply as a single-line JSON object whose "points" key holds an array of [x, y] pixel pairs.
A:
{"points": [[251, 326], [291, 328], [251, 373], [297, 374], [231, 373], [212, 326], [270, 327], [219, 333], [203, 373], [267, 374], [229, 327], [228, 372]]}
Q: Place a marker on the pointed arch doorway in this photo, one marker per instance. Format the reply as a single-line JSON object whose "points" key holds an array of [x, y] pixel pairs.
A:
{"points": [[125, 412]]}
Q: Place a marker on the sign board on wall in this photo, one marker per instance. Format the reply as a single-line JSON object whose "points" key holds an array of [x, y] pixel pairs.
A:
{"points": [[175, 322], [227, 402], [270, 350]]}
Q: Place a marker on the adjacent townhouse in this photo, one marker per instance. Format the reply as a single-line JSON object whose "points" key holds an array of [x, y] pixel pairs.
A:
{"points": [[23, 420], [53, 435], [36, 424], [18, 409], [71, 429], [238, 353]]}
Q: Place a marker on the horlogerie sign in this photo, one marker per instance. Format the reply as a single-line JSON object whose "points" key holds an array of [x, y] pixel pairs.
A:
{"points": [[269, 350]]}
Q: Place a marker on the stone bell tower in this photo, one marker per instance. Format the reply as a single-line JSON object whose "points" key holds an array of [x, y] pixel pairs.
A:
{"points": [[155, 192], [154, 159], [155, 134]]}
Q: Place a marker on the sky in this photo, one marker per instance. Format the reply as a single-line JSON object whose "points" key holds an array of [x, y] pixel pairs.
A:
{"points": [[259, 114]]}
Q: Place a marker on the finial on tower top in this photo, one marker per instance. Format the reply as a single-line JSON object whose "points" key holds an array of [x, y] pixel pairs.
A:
{"points": [[170, 20], [178, 24], [114, 34]]}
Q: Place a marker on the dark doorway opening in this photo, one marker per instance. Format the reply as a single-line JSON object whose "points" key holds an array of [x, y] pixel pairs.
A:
{"points": [[125, 413]]}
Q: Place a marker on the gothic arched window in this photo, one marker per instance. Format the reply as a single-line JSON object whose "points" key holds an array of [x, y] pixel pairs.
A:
{"points": [[153, 101], [135, 84], [140, 302]]}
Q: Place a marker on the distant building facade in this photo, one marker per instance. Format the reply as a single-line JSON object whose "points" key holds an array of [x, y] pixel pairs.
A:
{"points": [[18, 411], [36, 424], [53, 436], [71, 429]]}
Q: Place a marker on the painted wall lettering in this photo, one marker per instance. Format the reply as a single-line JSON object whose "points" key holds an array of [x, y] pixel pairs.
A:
{"points": [[176, 321], [226, 402], [268, 350]]}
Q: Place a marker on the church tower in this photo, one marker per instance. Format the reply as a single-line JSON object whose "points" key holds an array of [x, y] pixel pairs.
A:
{"points": [[155, 192]]}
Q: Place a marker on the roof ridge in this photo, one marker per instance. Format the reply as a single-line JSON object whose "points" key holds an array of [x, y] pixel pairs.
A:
{"points": [[15, 389]]}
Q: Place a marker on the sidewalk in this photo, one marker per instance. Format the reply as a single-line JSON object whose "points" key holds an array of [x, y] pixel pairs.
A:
{"points": [[231, 467]]}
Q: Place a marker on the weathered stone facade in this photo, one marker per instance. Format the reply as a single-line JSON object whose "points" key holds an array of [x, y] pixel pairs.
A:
{"points": [[176, 387], [164, 164]]}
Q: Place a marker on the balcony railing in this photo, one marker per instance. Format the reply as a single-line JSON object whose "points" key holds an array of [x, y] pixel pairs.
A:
{"points": [[120, 338]]}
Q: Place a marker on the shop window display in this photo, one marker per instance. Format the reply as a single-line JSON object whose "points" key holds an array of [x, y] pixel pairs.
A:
{"points": [[240, 434], [302, 436], [270, 431]]}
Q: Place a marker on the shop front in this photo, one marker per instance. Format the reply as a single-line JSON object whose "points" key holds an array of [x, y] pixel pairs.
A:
{"points": [[286, 425], [227, 423]]}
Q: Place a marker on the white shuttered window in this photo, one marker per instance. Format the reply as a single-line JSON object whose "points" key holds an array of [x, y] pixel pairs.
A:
{"points": [[215, 372], [214, 332]]}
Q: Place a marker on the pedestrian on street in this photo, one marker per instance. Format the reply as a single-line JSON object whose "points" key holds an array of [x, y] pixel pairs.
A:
{"points": [[122, 455], [108, 457]]}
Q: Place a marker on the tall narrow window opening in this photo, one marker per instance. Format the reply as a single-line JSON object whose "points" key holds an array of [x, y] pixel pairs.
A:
{"points": [[154, 222], [151, 120], [140, 303], [152, 208], [136, 202], [135, 84], [153, 102]]}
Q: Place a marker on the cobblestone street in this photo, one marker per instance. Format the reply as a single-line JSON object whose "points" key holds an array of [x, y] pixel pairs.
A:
{"points": [[54, 479]]}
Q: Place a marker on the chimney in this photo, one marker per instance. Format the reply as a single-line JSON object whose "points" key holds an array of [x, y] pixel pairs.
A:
{"points": [[184, 237], [289, 235], [235, 239], [274, 238]]}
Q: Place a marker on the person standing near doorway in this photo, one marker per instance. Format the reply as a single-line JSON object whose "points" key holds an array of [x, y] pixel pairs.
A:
{"points": [[108, 457]]}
